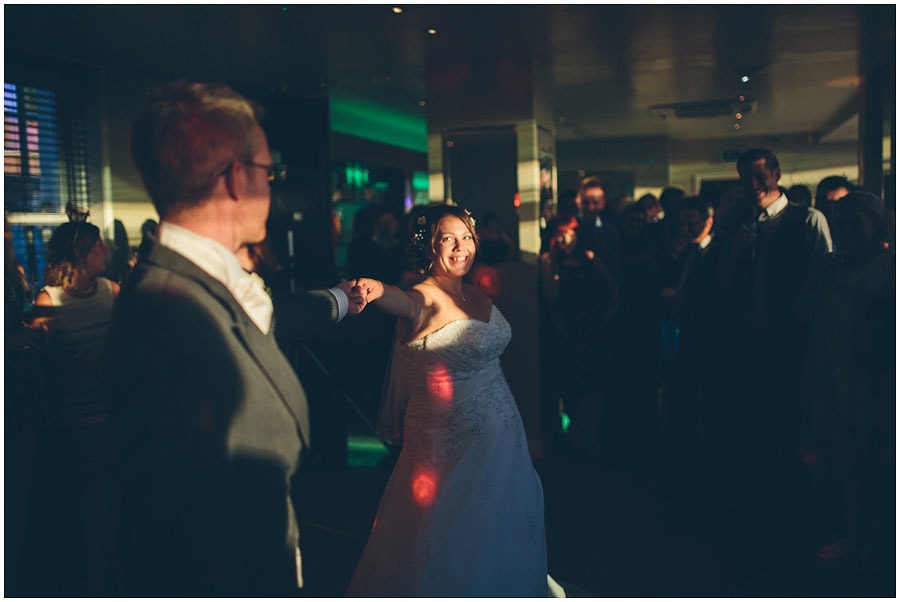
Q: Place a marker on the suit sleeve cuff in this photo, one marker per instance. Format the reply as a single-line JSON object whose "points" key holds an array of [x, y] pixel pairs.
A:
{"points": [[342, 301]]}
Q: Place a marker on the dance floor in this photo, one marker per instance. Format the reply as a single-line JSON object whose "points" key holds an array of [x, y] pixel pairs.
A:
{"points": [[624, 524]]}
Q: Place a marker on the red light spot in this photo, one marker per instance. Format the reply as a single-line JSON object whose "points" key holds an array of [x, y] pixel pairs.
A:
{"points": [[424, 488], [488, 280], [517, 200], [440, 386]]}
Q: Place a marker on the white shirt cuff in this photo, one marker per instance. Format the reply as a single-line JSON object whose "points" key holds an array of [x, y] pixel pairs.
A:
{"points": [[342, 301]]}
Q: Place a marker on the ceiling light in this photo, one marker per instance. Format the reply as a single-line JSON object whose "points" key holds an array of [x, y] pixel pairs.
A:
{"points": [[745, 78], [397, 10], [704, 108], [431, 31]]}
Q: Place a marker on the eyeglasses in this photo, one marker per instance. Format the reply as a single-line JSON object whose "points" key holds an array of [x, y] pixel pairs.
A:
{"points": [[274, 171]]}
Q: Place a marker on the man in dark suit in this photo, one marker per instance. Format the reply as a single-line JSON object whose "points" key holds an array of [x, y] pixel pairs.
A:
{"points": [[211, 417], [693, 301], [596, 226], [772, 267]]}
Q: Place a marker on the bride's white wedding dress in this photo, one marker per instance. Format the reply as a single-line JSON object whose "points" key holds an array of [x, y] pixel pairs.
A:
{"points": [[463, 511]]}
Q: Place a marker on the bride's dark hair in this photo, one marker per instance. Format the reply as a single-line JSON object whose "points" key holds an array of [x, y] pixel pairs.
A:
{"points": [[423, 227]]}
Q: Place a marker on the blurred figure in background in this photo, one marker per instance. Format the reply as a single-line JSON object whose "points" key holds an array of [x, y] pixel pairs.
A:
{"points": [[829, 191], [375, 248], [799, 195], [121, 258], [76, 306], [581, 297], [148, 234], [25, 423], [636, 363], [597, 230], [850, 414], [770, 269], [692, 299], [496, 246]]}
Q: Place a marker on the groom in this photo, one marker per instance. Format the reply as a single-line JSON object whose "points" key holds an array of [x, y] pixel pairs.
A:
{"points": [[210, 416]]}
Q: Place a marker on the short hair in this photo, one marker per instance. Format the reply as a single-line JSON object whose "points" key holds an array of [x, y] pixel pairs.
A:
{"points": [[830, 183], [185, 135], [68, 248], [647, 201], [698, 204], [753, 155], [591, 182], [424, 231], [800, 194], [635, 207], [670, 198]]}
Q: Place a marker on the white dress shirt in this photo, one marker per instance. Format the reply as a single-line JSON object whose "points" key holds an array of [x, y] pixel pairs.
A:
{"points": [[774, 209], [223, 265], [249, 290]]}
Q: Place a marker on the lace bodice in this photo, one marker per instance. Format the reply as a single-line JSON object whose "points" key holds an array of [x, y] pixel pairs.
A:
{"points": [[451, 379]]}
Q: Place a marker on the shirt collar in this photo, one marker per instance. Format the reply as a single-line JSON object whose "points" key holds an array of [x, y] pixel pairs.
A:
{"points": [[707, 240], [774, 209], [223, 265]]}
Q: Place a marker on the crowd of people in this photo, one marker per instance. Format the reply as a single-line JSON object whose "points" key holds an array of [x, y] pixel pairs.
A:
{"points": [[754, 330], [747, 333]]}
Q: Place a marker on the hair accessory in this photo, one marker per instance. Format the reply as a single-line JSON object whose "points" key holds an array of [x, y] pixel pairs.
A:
{"points": [[421, 220]]}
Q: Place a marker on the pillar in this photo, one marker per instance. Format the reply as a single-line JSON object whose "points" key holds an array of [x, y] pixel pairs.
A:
{"points": [[491, 134]]}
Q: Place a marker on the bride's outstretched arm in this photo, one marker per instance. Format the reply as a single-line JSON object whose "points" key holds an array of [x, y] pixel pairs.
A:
{"points": [[388, 298]]}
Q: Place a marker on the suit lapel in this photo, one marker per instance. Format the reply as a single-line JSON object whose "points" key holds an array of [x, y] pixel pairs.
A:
{"points": [[272, 363], [260, 347]]}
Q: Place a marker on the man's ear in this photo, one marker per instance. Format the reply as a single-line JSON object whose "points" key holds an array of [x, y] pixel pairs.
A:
{"points": [[230, 176], [777, 173]]}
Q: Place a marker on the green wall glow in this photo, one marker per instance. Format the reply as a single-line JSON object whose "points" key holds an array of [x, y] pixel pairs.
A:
{"points": [[381, 124]]}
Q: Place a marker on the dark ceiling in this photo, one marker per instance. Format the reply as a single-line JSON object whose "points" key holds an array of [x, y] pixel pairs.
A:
{"points": [[610, 64]]}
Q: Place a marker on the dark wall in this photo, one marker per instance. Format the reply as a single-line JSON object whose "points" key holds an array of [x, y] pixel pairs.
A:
{"points": [[481, 170], [299, 130]]}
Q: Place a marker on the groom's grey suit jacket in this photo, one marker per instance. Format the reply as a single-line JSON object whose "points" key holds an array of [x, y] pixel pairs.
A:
{"points": [[211, 422]]}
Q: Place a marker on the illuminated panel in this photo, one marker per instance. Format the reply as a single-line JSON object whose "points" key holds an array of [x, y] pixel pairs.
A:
{"points": [[381, 124], [420, 180]]}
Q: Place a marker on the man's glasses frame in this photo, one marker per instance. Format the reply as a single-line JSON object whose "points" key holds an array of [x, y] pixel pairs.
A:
{"points": [[274, 171]]}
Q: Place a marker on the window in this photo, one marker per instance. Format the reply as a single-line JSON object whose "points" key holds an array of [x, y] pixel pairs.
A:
{"points": [[51, 151]]}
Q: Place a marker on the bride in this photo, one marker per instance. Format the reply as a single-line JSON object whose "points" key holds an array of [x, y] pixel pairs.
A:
{"points": [[463, 511]]}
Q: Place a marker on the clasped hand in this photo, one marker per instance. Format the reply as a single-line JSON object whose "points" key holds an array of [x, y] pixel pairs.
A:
{"points": [[365, 291]]}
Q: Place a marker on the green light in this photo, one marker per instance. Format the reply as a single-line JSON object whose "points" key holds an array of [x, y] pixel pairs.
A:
{"points": [[419, 180], [364, 451], [565, 421], [364, 119], [356, 175]]}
